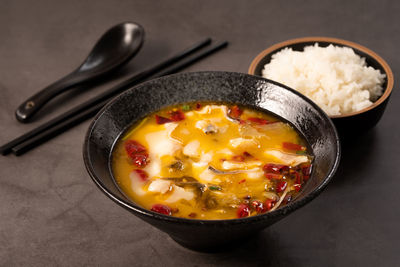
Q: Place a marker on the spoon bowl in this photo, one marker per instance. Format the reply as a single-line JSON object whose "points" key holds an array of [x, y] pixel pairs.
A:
{"points": [[114, 49]]}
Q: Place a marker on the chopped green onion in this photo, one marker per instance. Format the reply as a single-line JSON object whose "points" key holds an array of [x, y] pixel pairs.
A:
{"points": [[214, 187], [186, 108]]}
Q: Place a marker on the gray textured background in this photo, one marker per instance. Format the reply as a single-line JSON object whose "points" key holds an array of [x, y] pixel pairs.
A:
{"points": [[51, 213]]}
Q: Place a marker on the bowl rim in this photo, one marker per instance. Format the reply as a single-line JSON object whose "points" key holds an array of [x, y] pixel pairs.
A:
{"points": [[212, 223], [389, 74]]}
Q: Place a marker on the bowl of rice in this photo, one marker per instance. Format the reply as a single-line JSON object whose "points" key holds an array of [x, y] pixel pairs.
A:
{"points": [[351, 83]]}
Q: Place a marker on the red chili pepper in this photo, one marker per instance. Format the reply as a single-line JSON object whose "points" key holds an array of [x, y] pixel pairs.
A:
{"points": [[239, 158], [132, 147], [176, 115], [198, 105], [295, 175], [258, 206], [235, 112], [287, 198], [242, 181], [162, 120], [294, 147], [243, 211], [297, 187], [137, 153], [140, 160], [306, 169], [247, 154], [258, 120], [142, 174], [160, 208], [273, 176], [275, 168], [269, 204], [281, 186]]}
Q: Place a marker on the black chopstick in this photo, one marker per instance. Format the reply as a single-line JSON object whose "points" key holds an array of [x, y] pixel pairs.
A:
{"points": [[7, 148], [57, 129], [71, 121]]}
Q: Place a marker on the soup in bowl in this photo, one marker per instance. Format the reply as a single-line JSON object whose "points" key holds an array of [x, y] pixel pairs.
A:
{"points": [[211, 161], [211, 157]]}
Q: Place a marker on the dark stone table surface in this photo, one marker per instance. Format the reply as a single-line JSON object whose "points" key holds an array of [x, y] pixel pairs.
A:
{"points": [[52, 214]]}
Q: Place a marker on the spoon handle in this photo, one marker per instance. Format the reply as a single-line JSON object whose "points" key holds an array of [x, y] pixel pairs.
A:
{"points": [[30, 106]]}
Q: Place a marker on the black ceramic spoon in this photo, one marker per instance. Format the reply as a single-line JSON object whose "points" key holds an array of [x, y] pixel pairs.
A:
{"points": [[115, 48]]}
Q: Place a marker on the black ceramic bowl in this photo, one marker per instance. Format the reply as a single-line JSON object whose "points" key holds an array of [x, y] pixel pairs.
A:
{"points": [[352, 124], [136, 103]]}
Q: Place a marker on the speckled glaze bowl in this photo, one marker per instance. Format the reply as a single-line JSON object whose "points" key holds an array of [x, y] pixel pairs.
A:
{"points": [[136, 103], [352, 124]]}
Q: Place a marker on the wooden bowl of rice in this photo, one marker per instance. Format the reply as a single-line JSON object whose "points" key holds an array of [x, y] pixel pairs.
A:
{"points": [[352, 87]]}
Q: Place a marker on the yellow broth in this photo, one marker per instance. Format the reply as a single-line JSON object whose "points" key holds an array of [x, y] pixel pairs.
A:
{"points": [[211, 161]]}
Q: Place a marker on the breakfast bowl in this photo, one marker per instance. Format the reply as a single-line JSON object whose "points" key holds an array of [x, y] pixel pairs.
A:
{"points": [[348, 124], [129, 108]]}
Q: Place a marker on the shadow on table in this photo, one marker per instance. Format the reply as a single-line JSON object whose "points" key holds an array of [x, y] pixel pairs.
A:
{"points": [[357, 154], [261, 250]]}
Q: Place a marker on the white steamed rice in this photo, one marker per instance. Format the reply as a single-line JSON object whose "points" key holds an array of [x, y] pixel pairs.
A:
{"points": [[335, 78]]}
